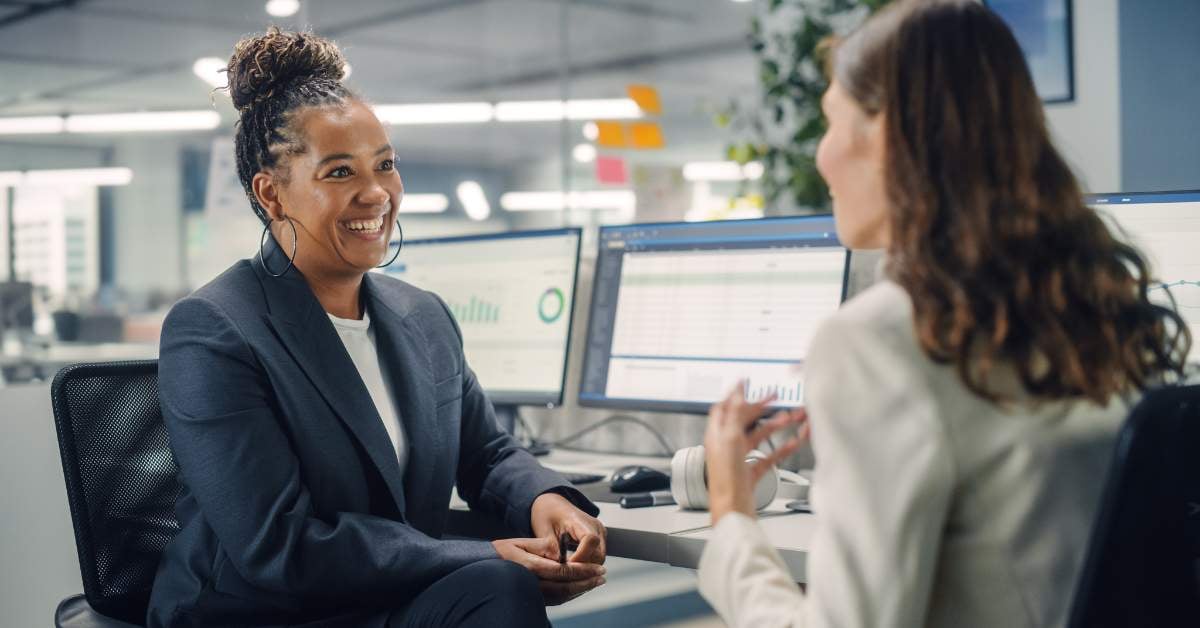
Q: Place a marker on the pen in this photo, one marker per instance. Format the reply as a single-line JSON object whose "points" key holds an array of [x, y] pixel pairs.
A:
{"points": [[563, 539], [654, 498]]}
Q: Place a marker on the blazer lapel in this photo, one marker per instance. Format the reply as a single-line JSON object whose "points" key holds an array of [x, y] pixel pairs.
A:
{"points": [[309, 336], [404, 352]]}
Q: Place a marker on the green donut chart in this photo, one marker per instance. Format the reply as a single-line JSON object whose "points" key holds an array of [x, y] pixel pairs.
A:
{"points": [[551, 305]]}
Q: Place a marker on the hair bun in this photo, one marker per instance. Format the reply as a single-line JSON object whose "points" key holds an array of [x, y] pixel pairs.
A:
{"points": [[263, 65]]}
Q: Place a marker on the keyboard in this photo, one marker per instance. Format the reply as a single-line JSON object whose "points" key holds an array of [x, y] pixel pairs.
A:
{"points": [[582, 478]]}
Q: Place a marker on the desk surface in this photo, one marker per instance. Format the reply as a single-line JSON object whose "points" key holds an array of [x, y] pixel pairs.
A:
{"points": [[791, 534], [661, 534]]}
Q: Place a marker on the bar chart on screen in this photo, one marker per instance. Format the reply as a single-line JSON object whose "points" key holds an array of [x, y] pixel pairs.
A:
{"points": [[786, 393], [510, 297], [474, 310]]}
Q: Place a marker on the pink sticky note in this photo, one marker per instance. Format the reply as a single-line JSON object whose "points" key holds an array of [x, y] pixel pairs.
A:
{"points": [[611, 170]]}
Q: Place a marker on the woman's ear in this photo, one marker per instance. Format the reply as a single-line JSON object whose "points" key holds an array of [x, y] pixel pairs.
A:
{"points": [[266, 191]]}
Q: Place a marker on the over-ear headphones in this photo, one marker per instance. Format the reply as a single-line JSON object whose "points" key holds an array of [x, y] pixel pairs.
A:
{"points": [[689, 479]]}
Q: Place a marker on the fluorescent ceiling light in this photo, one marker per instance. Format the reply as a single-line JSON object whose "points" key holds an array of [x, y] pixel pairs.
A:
{"points": [[31, 125], [473, 200], [558, 201], [721, 171], [435, 113], [543, 110], [282, 8], [530, 110], [211, 70], [144, 121], [424, 203], [75, 176], [584, 153], [610, 109]]}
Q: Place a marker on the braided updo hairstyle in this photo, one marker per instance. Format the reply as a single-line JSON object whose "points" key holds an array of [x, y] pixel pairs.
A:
{"points": [[271, 77]]}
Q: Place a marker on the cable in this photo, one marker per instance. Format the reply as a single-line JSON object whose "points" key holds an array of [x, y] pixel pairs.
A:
{"points": [[668, 450], [530, 436]]}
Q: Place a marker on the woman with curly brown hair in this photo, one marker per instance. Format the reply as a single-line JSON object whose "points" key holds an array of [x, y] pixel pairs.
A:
{"points": [[963, 410], [320, 414]]}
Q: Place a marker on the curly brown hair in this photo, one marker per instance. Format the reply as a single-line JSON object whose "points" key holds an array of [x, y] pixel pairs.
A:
{"points": [[990, 235], [271, 77]]}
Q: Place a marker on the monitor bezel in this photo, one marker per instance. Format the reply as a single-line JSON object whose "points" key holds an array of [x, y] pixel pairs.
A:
{"points": [[677, 407], [1135, 198], [524, 398]]}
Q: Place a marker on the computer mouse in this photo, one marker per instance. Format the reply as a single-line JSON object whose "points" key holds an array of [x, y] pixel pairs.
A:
{"points": [[639, 479]]}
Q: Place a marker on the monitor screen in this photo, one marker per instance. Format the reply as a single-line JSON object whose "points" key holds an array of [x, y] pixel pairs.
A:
{"points": [[1165, 226], [513, 295], [682, 312], [1043, 28]]}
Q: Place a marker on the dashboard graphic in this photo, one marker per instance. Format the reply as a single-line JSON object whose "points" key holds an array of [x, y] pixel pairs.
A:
{"points": [[511, 295]]}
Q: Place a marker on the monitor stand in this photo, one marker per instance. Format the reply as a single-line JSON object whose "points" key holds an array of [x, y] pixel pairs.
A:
{"points": [[506, 414]]}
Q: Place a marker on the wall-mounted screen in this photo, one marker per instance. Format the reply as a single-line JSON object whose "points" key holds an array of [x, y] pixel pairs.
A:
{"points": [[1043, 28]]}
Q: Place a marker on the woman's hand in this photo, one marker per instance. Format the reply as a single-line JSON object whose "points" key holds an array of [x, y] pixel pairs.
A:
{"points": [[559, 582], [732, 434], [553, 515]]}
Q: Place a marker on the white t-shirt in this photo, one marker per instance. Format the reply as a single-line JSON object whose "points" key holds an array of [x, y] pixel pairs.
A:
{"points": [[359, 338]]}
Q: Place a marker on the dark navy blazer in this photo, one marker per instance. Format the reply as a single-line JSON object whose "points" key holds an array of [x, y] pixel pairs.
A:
{"points": [[293, 507]]}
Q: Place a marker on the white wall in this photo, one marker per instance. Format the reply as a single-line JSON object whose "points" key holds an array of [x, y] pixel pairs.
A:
{"points": [[1088, 131]]}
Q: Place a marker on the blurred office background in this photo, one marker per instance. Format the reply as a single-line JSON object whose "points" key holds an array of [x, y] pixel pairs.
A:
{"points": [[546, 113]]}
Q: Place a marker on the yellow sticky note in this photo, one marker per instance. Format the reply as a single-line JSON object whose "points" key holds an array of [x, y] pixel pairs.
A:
{"points": [[611, 135], [646, 135], [646, 97]]}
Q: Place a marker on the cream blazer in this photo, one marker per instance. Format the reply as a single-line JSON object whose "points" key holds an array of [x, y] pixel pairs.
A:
{"points": [[933, 507]]}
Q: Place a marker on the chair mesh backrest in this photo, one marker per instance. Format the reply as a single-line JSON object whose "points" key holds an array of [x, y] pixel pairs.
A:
{"points": [[121, 479], [1143, 563]]}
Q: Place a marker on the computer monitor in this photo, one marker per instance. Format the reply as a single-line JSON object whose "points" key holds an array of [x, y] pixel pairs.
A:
{"points": [[1165, 226], [513, 295], [681, 312]]}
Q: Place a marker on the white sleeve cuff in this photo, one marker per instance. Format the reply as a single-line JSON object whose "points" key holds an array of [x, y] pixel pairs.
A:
{"points": [[744, 579]]}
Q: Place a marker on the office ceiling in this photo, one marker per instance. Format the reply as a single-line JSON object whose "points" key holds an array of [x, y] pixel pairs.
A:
{"points": [[75, 56]]}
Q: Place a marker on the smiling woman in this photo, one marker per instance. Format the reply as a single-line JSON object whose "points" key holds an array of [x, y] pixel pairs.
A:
{"points": [[312, 155], [320, 414]]}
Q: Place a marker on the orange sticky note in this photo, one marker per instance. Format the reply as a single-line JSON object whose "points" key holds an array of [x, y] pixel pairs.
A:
{"points": [[646, 97], [611, 135], [646, 135]]}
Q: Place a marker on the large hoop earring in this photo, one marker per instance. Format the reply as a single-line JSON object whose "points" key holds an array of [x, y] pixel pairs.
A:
{"points": [[398, 247], [262, 258]]}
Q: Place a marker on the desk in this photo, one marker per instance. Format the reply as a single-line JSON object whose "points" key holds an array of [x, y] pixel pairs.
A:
{"points": [[41, 363], [791, 534], [663, 534]]}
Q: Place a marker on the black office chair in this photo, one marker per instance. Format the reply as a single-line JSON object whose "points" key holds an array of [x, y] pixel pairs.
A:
{"points": [[121, 487], [1143, 562]]}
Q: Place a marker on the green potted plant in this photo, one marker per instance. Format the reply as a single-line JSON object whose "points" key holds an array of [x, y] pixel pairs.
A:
{"points": [[782, 126]]}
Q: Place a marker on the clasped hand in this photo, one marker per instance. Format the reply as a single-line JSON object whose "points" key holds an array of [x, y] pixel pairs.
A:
{"points": [[553, 516]]}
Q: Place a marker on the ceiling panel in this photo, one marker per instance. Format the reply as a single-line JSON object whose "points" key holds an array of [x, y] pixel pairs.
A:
{"points": [[21, 79], [120, 55]]}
